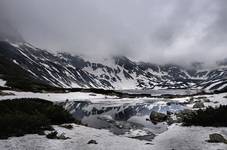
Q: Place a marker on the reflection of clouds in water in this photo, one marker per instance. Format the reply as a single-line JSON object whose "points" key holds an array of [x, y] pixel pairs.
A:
{"points": [[123, 118]]}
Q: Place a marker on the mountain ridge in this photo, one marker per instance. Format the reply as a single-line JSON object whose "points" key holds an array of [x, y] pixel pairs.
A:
{"points": [[67, 71]]}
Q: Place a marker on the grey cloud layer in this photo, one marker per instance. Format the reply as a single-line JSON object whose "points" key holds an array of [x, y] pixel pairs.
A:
{"points": [[159, 31]]}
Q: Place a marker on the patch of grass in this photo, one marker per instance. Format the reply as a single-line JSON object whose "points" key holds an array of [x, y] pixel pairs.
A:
{"points": [[209, 117], [30, 116]]}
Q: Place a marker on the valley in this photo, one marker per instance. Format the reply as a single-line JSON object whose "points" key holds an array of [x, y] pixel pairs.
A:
{"points": [[116, 119], [113, 99], [113, 75]]}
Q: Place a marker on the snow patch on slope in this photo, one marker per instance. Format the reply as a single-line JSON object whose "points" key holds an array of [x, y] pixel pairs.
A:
{"points": [[2, 83]]}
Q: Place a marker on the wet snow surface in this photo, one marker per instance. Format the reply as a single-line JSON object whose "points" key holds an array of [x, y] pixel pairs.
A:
{"points": [[119, 124], [177, 138]]}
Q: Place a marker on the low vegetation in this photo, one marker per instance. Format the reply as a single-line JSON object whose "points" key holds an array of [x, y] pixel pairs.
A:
{"points": [[209, 117], [30, 116]]}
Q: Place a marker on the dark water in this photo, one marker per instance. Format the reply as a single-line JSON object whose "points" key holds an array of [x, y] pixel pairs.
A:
{"points": [[163, 91]]}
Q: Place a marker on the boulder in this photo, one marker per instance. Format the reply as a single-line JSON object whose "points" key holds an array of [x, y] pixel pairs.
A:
{"points": [[198, 105], [67, 126], [217, 138], [191, 100], [169, 113], [62, 137], [92, 94], [92, 142], [157, 117], [171, 121], [54, 135], [206, 100]]}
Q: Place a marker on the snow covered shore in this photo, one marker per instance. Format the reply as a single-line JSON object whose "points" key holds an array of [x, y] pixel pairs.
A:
{"points": [[56, 97], [80, 136], [177, 137], [188, 138]]}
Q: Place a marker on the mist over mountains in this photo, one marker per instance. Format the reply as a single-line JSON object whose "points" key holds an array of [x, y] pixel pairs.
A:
{"points": [[24, 66], [7, 30], [162, 32], [116, 74]]}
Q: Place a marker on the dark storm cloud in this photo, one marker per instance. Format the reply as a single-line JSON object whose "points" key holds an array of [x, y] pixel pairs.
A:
{"points": [[158, 31]]}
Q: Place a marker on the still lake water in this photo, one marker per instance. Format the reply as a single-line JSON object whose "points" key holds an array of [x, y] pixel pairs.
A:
{"points": [[163, 91], [128, 117]]}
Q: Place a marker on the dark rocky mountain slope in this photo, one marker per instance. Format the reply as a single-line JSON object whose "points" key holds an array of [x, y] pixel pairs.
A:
{"points": [[22, 64]]}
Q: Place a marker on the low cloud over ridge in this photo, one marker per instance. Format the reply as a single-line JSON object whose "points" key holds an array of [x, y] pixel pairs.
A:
{"points": [[160, 31]]}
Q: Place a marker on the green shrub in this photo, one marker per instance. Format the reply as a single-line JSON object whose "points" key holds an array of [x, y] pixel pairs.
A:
{"points": [[213, 117], [30, 116]]}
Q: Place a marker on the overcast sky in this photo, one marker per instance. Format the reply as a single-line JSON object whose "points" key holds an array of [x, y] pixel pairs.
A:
{"points": [[158, 31]]}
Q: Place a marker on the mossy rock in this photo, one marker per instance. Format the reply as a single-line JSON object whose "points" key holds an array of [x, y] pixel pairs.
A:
{"points": [[217, 138]]}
